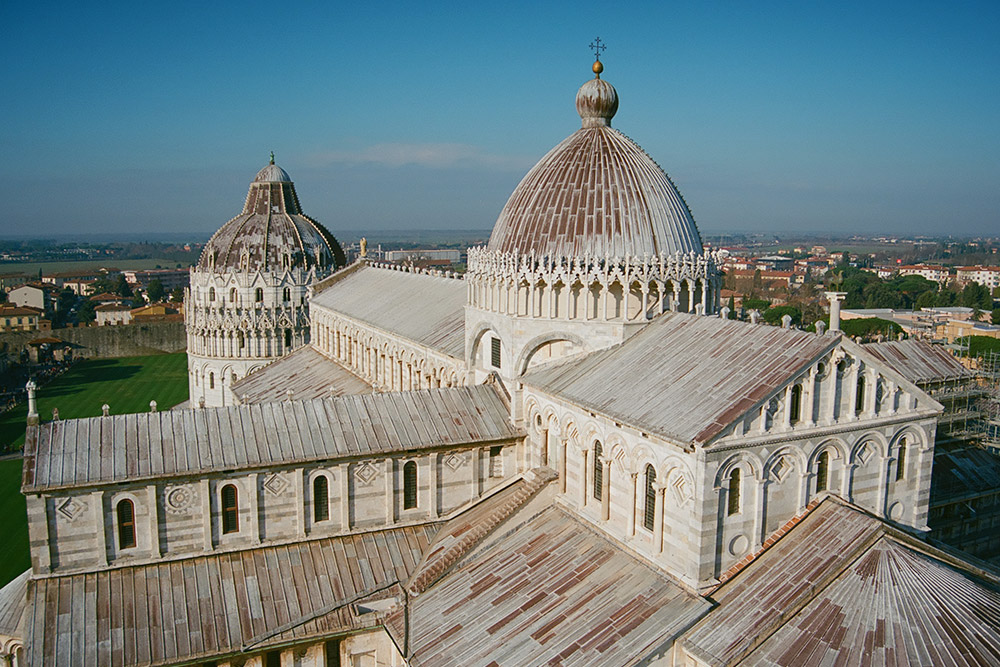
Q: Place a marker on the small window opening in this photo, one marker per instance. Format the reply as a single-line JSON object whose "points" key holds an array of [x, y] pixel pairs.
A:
{"points": [[734, 492], [649, 501], [859, 404], [230, 510], [795, 411], [286, 294], [495, 352], [126, 524], [901, 461], [258, 294], [496, 461], [211, 294], [598, 471], [823, 471], [409, 485], [321, 499], [232, 295], [211, 380], [288, 338]]}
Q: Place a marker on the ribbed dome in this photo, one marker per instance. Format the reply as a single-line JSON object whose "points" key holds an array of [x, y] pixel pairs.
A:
{"points": [[271, 234], [597, 193]]}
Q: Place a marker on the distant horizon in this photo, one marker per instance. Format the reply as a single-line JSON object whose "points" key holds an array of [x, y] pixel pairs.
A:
{"points": [[786, 116]]}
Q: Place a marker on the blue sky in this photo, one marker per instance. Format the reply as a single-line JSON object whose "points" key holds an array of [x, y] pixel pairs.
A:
{"points": [[769, 116]]}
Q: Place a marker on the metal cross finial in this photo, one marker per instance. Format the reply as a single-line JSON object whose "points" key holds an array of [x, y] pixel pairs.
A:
{"points": [[597, 47], [272, 157]]}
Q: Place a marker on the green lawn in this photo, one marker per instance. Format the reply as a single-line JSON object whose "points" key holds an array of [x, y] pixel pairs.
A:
{"points": [[47, 268], [127, 384], [13, 522]]}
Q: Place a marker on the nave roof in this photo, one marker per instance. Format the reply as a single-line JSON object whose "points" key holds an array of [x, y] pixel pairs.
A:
{"points": [[918, 361], [426, 309], [134, 447]]}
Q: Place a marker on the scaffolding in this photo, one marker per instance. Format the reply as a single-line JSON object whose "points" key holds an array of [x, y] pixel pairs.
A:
{"points": [[987, 370]]}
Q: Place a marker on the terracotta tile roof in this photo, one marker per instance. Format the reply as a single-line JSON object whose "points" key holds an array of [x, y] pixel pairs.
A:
{"points": [[306, 373], [684, 377], [199, 608], [553, 591]]}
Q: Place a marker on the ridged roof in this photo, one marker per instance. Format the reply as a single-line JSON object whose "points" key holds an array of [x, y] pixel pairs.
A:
{"points": [[596, 193], [272, 233]]}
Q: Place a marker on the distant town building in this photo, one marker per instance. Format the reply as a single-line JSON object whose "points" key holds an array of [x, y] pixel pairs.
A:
{"points": [[443, 256], [939, 274], [19, 318], [171, 279], [34, 295], [112, 314], [987, 276]]}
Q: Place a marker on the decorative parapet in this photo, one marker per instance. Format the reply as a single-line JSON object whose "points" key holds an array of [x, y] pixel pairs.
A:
{"points": [[687, 282]]}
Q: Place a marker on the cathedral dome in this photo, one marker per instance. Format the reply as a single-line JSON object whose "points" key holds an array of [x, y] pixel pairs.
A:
{"points": [[597, 193], [272, 233]]}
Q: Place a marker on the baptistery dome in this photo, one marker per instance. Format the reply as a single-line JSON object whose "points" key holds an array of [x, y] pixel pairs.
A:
{"points": [[597, 193], [272, 233]]}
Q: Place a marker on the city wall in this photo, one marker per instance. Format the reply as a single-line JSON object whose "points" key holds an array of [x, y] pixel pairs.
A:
{"points": [[104, 342]]}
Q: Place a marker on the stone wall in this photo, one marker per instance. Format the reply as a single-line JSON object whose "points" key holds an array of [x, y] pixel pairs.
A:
{"points": [[105, 342]]}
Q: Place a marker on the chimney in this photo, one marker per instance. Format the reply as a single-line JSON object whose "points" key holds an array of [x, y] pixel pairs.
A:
{"points": [[835, 298], [821, 327]]}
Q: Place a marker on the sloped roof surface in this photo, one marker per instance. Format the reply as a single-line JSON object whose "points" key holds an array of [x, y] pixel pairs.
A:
{"points": [[551, 592], [171, 612], [918, 361], [305, 372], [685, 377], [426, 309], [963, 472], [13, 598], [128, 448], [843, 585]]}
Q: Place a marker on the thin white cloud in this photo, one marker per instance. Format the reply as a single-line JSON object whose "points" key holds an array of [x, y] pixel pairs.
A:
{"points": [[434, 156]]}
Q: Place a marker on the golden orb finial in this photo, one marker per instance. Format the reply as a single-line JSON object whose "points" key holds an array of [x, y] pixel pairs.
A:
{"points": [[598, 68]]}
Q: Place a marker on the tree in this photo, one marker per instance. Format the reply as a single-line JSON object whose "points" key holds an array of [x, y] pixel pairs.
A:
{"points": [[976, 296], [756, 304], [869, 327], [773, 315], [122, 288], [177, 295], [732, 308], [86, 312], [995, 316], [155, 291]]}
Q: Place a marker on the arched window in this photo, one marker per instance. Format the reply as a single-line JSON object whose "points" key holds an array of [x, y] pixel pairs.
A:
{"points": [[286, 294], [230, 510], [211, 380], [598, 470], [258, 294], [823, 471], [232, 295], [901, 461], [410, 485], [211, 294], [795, 410], [126, 524], [321, 499], [734, 491], [859, 404], [649, 502]]}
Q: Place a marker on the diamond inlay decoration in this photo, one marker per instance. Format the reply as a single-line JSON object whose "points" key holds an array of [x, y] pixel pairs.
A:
{"points": [[366, 472], [781, 468], [275, 484], [679, 487], [71, 508], [454, 461], [864, 453]]}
